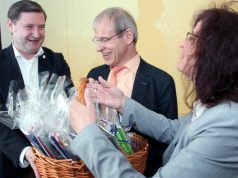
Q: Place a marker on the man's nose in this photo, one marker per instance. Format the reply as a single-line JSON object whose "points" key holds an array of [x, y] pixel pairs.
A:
{"points": [[100, 46], [36, 32]]}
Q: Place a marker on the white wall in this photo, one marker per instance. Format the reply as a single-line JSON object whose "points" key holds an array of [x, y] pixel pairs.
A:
{"points": [[5, 35]]}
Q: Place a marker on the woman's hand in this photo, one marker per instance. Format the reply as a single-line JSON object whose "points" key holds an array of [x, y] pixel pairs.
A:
{"points": [[107, 94]]}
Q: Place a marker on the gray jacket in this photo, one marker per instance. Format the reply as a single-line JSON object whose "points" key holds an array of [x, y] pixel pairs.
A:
{"points": [[204, 148]]}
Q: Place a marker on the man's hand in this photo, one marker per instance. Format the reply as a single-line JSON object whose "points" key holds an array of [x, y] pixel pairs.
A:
{"points": [[30, 157]]}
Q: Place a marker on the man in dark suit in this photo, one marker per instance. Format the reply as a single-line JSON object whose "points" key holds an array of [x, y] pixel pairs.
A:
{"points": [[22, 62], [116, 37]]}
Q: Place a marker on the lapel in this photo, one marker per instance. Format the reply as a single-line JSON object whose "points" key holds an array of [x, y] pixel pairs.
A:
{"points": [[43, 64], [105, 72], [11, 66], [141, 82]]}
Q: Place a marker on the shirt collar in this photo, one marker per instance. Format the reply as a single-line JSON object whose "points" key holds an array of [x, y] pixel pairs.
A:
{"points": [[18, 55], [198, 109], [133, 63]]}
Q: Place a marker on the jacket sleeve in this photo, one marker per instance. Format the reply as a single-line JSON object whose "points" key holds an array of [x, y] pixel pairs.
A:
{"points": [[12, 142], [149, 122]]}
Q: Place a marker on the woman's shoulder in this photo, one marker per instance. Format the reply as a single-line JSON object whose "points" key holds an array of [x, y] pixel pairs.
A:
{"points": [[227, 106], [225, 113]]}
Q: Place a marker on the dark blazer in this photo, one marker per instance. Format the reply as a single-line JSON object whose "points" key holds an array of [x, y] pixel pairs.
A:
{"points": [[13, 142], [154, 89]]}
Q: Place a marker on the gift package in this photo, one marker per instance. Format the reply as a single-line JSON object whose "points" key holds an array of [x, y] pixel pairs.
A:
{"points": [[42, 114]]}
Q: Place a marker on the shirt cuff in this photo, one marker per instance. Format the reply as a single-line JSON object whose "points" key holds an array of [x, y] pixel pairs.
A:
{"points": [[22, 161]]}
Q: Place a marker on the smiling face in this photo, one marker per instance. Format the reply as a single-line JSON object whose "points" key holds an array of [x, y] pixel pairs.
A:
{"points": [[187, 58], [28, 33], [115, 49]]}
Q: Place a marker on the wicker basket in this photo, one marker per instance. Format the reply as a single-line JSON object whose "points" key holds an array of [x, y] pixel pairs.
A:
{"points": [[52, 168]]}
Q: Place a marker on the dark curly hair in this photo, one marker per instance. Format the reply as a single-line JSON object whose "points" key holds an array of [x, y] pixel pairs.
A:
{"points": [[215, 72]]}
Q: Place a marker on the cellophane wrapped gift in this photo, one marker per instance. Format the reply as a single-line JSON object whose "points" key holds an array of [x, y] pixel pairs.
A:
{"points": [[108, 120], [42, 115]]}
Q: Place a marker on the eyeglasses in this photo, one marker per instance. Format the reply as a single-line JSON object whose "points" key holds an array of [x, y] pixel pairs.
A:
{"points": [[106, 39], [191, 37]]}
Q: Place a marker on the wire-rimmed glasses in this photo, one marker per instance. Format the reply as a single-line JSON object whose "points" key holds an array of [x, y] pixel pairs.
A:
{"points": [[106, 39], [191, 36]]}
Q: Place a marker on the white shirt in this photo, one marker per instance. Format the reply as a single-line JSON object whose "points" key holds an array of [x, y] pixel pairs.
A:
{"points": [[198, 110], [29, 68], [29, 71]]}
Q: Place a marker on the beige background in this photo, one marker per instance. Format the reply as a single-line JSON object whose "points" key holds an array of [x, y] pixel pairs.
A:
{"points": [[162, 26]]}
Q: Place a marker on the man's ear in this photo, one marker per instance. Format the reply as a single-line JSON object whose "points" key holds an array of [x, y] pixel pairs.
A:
{"points": [[129, 36], [10, 25]]}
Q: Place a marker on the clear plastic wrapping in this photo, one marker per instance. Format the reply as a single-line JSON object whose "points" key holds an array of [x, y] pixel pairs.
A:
{"points": [[42, 114]]}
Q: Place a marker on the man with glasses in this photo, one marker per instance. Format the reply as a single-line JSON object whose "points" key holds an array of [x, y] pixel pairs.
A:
{"points": [[116, 37]]}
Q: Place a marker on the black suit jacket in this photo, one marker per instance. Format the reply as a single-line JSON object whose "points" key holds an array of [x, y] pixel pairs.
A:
{"points": [[12, 142], [154, 89]]}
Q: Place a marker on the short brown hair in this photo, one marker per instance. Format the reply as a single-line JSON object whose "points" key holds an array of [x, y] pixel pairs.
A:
{"points": [[17, 8]]}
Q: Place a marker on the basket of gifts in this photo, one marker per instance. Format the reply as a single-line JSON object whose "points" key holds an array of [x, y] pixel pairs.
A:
{"points": [[68, 168], [42, 114], [65, 168]]}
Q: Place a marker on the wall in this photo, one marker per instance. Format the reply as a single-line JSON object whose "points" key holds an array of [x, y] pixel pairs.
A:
{"points": [[162, 25]]}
